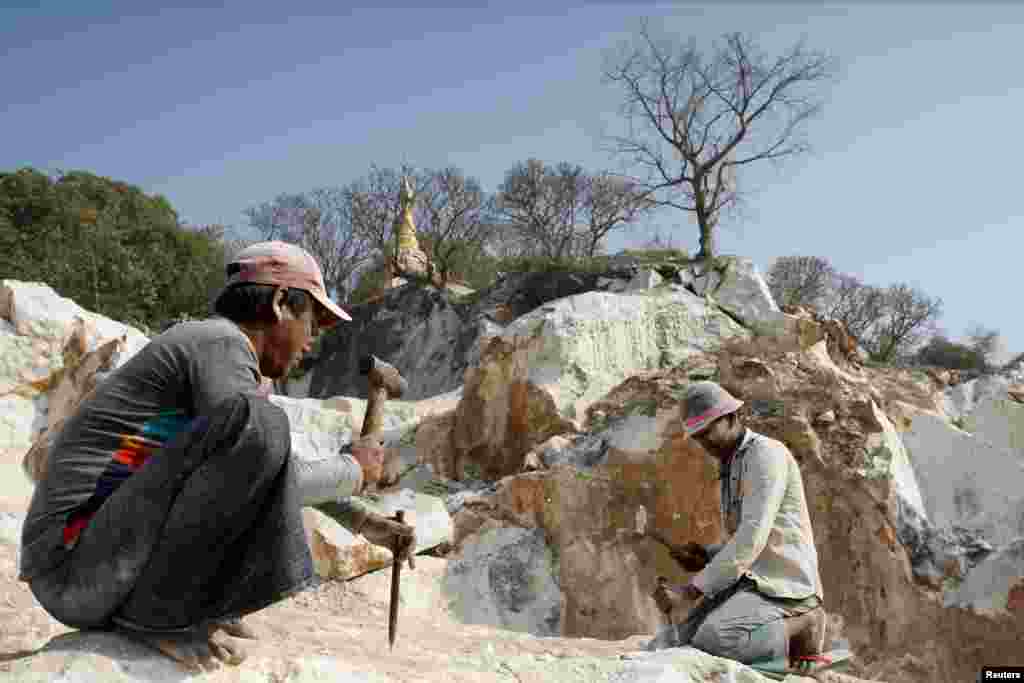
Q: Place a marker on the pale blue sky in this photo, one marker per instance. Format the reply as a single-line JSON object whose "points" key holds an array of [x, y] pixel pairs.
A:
{"points": [[913, 177]]}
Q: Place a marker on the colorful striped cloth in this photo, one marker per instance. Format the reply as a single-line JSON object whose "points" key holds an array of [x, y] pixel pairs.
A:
{"points": [[134, 450]]}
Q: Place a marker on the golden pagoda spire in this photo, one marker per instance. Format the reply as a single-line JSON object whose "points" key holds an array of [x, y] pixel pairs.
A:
{"points": [[405, 224], [409, 258]]}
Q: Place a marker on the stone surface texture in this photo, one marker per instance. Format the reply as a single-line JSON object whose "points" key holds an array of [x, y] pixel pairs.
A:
{"points": [[537, 575], [52, 352], [538, 378], [506, 577], [989, 585], [644, 280], [736, 284], [967, 481], [430, 336]]}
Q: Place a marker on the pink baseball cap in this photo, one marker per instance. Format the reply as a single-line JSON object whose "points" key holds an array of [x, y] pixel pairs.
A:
{"points": [[285, 265], [704, 403]]}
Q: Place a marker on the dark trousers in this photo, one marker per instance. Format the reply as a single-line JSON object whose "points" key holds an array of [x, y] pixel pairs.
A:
{"points": [[209, 528]]}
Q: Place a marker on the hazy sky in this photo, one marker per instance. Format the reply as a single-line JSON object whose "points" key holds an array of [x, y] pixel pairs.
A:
{"points": [[913, 177]]}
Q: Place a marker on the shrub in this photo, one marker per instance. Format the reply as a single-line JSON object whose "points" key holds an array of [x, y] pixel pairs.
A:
{"points": [[943, 353]]}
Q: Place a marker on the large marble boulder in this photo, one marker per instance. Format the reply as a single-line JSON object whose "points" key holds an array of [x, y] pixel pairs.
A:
{"points": [[644, 280], [506, 577], [940, 555], [963, 399], [587, 497], [887, 457], [52, 352], [34, 310], [66, 389], [340, 554], [862, 489], [337, 552], [415, 432], [830, 418], [973, 492], [966, 480], [539, 376], [735, 284], [319, 430], [432, 337], [321, 427], [40, 332], [19, 423], [988, 586], [985, 407], [426, 512]]}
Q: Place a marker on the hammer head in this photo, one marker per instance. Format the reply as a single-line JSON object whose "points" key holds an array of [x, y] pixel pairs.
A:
{"points": [[383, 375]]}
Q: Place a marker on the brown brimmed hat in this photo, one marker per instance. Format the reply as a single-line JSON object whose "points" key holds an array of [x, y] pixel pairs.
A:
{"points": [[284, 265]]}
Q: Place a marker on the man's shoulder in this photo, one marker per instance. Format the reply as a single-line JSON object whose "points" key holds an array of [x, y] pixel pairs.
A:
{"points": [[767, 447], [201, 332]]}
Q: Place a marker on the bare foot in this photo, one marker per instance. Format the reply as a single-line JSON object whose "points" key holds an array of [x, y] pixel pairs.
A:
{"points": [[809, 639], [196, 651], [235, 627]]}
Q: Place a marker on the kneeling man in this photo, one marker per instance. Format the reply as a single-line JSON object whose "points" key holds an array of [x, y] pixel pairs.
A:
{"points": [[760, 591]]}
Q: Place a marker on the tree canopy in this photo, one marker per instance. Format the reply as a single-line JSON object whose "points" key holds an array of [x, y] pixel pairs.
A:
{"points": [[108, 246]]}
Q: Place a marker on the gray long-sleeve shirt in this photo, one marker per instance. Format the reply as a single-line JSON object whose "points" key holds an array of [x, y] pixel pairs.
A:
{"points": [[180, 375]]}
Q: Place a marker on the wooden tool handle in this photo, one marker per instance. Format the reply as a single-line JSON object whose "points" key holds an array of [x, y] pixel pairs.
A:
{"points": [[396, 571], [400, 518]]}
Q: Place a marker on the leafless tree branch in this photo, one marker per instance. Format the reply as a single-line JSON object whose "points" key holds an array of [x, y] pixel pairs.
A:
{"points": [[694, 122], [321, 221], [458, 215], [565, 211]]}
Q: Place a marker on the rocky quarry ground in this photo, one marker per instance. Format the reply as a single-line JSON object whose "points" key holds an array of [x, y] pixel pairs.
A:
{"points": [[542, 414]]}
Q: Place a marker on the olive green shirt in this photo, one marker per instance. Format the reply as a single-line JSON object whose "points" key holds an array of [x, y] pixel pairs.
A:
{"points": [[764, 512]]}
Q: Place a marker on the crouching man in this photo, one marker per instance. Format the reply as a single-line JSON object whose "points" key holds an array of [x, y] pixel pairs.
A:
{"points": [[170, 506], [760, 593]]}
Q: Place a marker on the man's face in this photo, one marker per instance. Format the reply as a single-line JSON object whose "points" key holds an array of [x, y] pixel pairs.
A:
{"points": [[288, 339], [720, 436]]}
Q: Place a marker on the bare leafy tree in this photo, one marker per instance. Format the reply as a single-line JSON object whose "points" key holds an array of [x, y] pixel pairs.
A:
{"points": [[506, 241], [280, 219], [800, 280], [542, 203], [856, 305], [910, 317], [375, 204], [693, 121], [564, 212], [610, 202], [321, 221], [458, 214]]}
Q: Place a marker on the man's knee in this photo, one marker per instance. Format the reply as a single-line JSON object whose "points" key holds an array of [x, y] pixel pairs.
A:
{"points": [[74, 608], [741, 642], [718, 639], [255, 428]]}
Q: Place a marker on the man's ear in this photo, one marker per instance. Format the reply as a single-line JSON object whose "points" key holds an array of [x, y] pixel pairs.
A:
{"points": [[278, 306]]}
